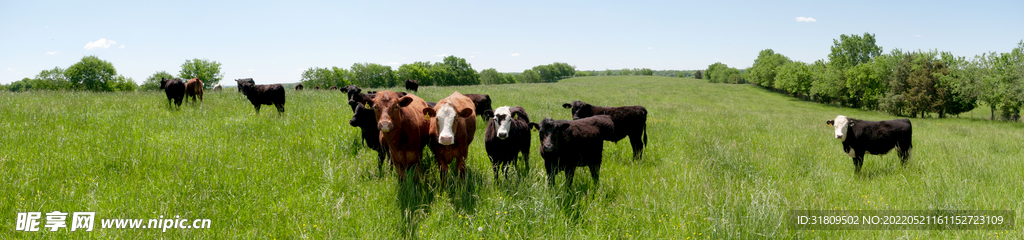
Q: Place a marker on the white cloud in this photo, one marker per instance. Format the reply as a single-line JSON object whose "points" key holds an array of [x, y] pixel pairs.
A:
{"points": [[650, 47], [441, 55], [102, 43], [10, 69], [52, 53], [122, 46], [806, 19], [515, 54], [250, 70]]}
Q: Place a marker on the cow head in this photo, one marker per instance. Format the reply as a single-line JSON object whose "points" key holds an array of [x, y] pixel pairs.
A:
{"points": [[363, 117], [163, 83], [503, 120], [550, 132], [579, 109], [244, 81], [444, 114], [841, 123], [387, 109]]}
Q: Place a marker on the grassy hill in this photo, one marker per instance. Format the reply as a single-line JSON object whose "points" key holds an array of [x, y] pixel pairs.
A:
{"points": [[723, 161]]}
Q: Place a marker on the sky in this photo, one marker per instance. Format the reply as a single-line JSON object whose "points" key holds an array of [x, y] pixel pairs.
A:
{"points": [[274, 41]]}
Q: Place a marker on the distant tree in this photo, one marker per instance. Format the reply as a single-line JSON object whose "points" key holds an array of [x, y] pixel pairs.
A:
{"points": [[764, 69], [626, 72], [607, 72], [372, 75], [698, 74], [207, 71], [91, 74], [794, 78], [492, 76], [325, 77], [646, 72], [420, 71], [849, 51], [152, 82], [122, 83], [721, 73], [828, 84], [528, 76], [51, 79]]}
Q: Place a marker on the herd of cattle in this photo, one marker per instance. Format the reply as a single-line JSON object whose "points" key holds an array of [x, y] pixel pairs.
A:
{"points": [[399, 125]]}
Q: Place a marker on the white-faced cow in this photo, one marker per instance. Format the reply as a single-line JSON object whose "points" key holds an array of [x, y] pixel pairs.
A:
{"points": [[507, 134], [565, 145], [218, 88], [629, 121], [452, 126], [404, 130], [873, 137]]}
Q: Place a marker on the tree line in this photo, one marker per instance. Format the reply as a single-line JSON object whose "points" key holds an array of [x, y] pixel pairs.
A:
{"points": [[452, 71], [94, 74], [903, 83]]}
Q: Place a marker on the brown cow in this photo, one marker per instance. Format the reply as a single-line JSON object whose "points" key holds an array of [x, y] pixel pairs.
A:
{"points": [[452, 126], [193, 88], [403, 129]]}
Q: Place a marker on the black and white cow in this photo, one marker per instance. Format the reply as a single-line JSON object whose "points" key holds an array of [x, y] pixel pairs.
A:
{"points": [[507, 135], [873, 137]]}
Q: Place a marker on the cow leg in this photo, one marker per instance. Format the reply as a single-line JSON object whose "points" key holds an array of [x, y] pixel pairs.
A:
{"points": [[570, 172], [551, 174], [380, 160], [526, 157], [858, 161], [257, 108], [494, 167], [903, 149], [460, 163], [442, 164], [280, 108], [595, 170], [636, 141]]}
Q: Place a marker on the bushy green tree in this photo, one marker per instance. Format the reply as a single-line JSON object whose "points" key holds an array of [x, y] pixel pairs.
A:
{"points": [[91, 73], [325, 77], [763, 71], [852, 50], [372, 75], [492, 76], [454, 71], [122, 83], [207, 71], [52, 79], [794, 78], [721, 73], [419, 71]]}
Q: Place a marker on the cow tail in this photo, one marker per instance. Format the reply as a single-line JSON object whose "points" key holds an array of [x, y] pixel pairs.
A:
{"points": [[645, 135]]}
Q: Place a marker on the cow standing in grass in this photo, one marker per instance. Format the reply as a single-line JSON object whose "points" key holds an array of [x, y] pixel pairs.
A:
{"points": [[403, 127], [873, 137], [482, 103], [258, 95], [175, 90], [242, 81], [298, 87], [507, 134], [629, 121], [452, 126], [364, 119], [565, 145], [412, 85], [194, 88], [218, 88]]}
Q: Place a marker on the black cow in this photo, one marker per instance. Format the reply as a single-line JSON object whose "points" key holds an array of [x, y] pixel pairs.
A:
{"points": [[412, 85], [629, 121], [873, 137], [258, 95], [507, 135], [483, 105], [175, 90], [565, 145], [351, 90], [364, 119], [363, 98], [244, 81], [298, 87]]}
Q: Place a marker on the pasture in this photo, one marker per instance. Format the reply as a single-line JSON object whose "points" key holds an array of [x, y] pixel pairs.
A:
{"points": [[724, 161]]}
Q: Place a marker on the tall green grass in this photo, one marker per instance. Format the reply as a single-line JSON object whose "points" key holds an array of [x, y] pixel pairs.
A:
{"points": [[723, 161]]}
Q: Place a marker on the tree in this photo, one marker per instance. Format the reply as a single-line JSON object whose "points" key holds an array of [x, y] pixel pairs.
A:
{"points": [[646, 72], [492, 76], [721, 73], [325, 77], [607, 72], [794, 78], [372, 75], [455, 71], [206, 70], [698, 74], [849, 51], [420, 71], [52, 79], [152, 82], [764, 69], [828, 84], [91, 74], [122, 83]]}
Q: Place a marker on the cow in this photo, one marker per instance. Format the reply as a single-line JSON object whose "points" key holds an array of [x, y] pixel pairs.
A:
{"points": [[175, 90], [351, 90], [316, 87], [507, 135], [873, 137], [412, 85], [363, 98], [244, 81], [452, 127], [193, 88], [218, 88], [565, 145], [272, 94], [363, 118], [482, 103], [298, 87], [629, 121], [332, 88], [403, 127]]}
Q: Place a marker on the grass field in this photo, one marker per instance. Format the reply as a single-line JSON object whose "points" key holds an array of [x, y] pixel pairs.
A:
{"points": [[723, 162]]}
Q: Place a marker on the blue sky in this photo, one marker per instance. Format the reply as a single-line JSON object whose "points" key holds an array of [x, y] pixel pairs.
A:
{"points": [[272, 41]]}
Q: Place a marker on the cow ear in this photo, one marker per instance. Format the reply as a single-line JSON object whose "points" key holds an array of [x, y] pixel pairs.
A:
{"points": [[404, 101], [566, 105], [563, 126], [488, 113], [534, 126], [429, 112], [851, 124], [401, 94], [830, 122], [466, 112]]}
